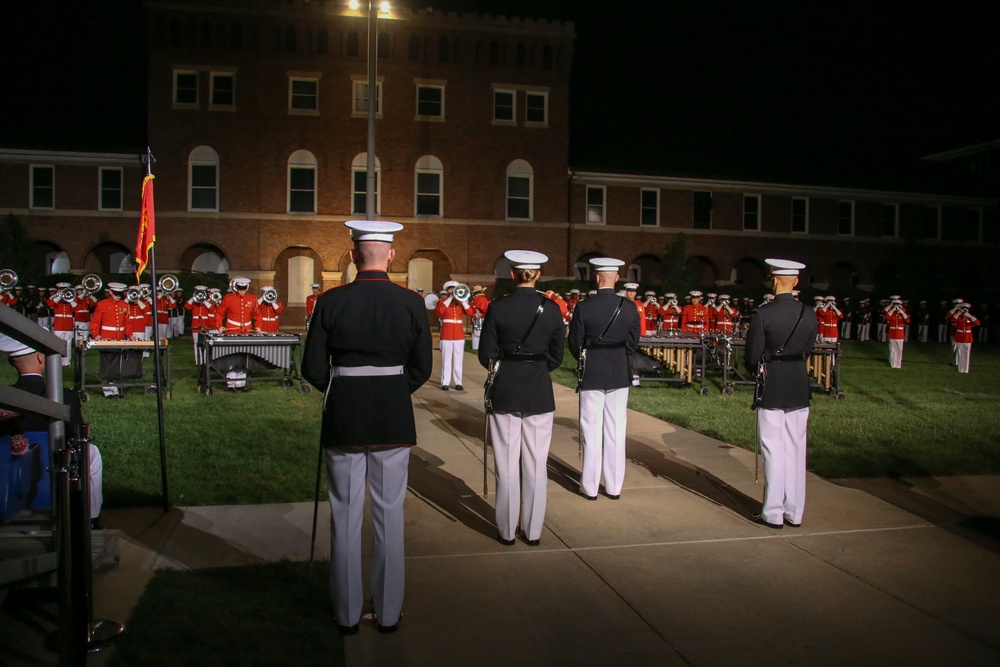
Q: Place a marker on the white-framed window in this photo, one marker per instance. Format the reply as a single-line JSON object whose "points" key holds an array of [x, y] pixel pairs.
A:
{"points": [[302, 182], [751, 213], [430, 101], [110, 188], [185, 93], [359, 184], [649, 207], [203, 179], [581, 271], [890, 220], [596, 195], [845, 218], [43, 186], [359, 96], [701, 209], [223, 90], [520, 184], [303, 95], [536, 108], [428, 183], [504, 106], [800, 215]]}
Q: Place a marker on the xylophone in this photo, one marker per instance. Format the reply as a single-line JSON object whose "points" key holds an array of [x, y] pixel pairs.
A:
{"points": [[131, 353], [251, 352]]}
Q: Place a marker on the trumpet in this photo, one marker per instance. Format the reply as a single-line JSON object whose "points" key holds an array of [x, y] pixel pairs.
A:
{"points": [[462, 292], [168, 283], [215, 296], [270, 295], [145, 291], [67, 294], [133, 293], [8, 279], [200, 296], [92, 283]]}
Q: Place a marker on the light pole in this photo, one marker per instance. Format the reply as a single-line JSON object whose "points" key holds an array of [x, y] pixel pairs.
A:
{"points": [[374, 8]]}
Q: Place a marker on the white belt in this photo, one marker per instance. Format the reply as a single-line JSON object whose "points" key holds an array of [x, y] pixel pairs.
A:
{"points": [[113, 328], [64, 315], [365, 371], [236, 323], [269, 319], [452, 321]]}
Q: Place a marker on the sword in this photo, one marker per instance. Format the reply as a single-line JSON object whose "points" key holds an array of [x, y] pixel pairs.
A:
{"points": [[312, 545], [491, 374]]}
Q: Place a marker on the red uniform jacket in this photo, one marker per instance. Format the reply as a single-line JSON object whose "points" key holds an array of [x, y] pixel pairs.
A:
{"points": [[83, 306], [311, 304], [452, 325], [266, 316], [896, 322], [110, 320], [670, 317], [694, 318], [163, 306], [62, 314], [963, 325], [201, 315], [137, 313], [235, 314]]}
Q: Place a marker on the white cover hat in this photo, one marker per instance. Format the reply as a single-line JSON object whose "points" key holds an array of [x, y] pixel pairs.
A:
{"points": [[631, 287], [241, 280], [784, 267], [606, 264], [450, 283], [372, 230], [525, 259], [117, 287]]}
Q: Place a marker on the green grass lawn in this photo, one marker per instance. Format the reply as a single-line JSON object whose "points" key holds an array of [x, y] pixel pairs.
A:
{"points": [[262, 446]]}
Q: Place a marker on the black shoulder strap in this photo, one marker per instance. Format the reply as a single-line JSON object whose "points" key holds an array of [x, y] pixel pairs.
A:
{"points": [[621, 302], [538, 313], [791, 333]]}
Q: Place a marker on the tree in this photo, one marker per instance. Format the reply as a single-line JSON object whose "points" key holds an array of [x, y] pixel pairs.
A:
{"points": [[19, 252], [679, 278]]}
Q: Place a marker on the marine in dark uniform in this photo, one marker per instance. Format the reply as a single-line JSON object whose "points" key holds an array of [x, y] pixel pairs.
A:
{"points": [[606, 379], [520, 421], [783, 412], [368, 348]]}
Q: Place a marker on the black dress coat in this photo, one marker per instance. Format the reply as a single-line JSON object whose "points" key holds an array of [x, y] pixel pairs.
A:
{"points": [[607, 367], [786, 385], [522, 383], [369, 322]]}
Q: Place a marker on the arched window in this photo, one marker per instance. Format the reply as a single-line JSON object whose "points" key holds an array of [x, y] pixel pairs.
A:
{"points": [[429, 187], [520, 178], [302, 182], [203, 179], [359, 184]]}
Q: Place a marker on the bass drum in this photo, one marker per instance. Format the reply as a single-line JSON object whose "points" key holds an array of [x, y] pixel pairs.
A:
{"points": [[431, 301]]}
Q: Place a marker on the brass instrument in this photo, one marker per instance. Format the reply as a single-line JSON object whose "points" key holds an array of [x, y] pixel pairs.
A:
{"points": [[215, 296], [68, 294], [462, 292], [200, 296], [232, 285], [133, 293], [270, 296], [92, 283], [145, 291], [8, 279], [168, 283]]}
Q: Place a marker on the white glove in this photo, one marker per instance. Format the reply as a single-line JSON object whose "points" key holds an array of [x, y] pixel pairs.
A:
{"points": [[448, 300], [260, 301]]}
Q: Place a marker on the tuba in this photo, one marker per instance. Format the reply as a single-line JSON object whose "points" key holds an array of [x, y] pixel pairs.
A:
{"points": [[462, 292], [92, 283], [270, 295], [8, 278], [168, 283]]}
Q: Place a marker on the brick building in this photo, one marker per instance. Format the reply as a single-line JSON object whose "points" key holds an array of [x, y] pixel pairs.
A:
{"points": [[257, 117]]}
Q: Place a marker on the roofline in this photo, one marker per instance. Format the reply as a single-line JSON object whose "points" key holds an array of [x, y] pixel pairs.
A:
{"points": [[760, 187], [954, 153], [67, 157]]}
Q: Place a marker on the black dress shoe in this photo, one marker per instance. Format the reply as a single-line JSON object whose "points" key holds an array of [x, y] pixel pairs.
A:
{"points": [[459, 387], [793, 525], [761, 521], [506, 543], [444, 387], [532, 543], [386, 629], [588, 497], [348, 629], [613, 496]]}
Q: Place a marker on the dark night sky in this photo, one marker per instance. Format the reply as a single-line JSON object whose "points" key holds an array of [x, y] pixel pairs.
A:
{"points": [[667, 85]]}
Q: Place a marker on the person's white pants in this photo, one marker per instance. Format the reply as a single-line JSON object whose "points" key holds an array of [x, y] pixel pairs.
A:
{"points": [[385, 471], [895, 353], [452, 356], [521, 454], [783, 444], [603, 415], [67, 336], [963, 352]]}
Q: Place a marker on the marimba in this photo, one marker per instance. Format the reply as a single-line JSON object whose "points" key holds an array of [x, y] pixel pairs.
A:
{"points": [[676, 354], [130, 364], [250, 353]]}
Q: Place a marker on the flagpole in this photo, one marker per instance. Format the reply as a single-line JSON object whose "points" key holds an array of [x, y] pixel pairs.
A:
{"points": [[157, 360]]}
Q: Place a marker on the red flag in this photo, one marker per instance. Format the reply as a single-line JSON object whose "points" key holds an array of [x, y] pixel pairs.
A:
{"points": [[147, 228]]}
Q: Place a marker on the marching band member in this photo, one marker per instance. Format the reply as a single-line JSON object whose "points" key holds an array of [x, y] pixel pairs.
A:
{"points": [[964, 322], [177, 313], [164, 304], [781, 336], [266, 315], [652, 311], [830, 325], [670, 314], [923, 321], [81, 313], [202, 317], [725, 317], [606, 379], [137, 313], [110, 321], [895, 318], [522, 343], [477, 320], [630, 292], [235, 316], [450, 311], [694, 316], [63, 304], [311, 303]]}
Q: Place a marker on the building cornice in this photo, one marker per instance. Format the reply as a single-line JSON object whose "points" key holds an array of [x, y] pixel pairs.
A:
{"points": [[69, 157]]}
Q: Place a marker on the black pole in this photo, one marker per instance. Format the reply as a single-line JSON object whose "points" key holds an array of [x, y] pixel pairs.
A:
{"points": [[156, 361]]}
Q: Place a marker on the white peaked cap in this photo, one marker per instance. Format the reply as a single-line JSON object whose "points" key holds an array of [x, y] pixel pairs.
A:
{"points": [[372, 230], [784, 267], [606, 264], [631, 287], [525, 259], [117, 287]]}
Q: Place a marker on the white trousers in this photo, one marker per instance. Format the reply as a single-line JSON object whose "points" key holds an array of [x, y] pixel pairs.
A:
{"points": [[68, 337], [475, 338], [452, 356], [163, 331], [922, 331], [895, 353], [521, 454], [603, 414], [942, 333], [963, 352], [783, 443], [197, 353], [82, 330], [96, 481], [385, 471], [845, 330]]}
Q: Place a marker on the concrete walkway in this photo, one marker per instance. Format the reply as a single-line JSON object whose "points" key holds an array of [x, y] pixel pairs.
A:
{"points": [[673, 573]]}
